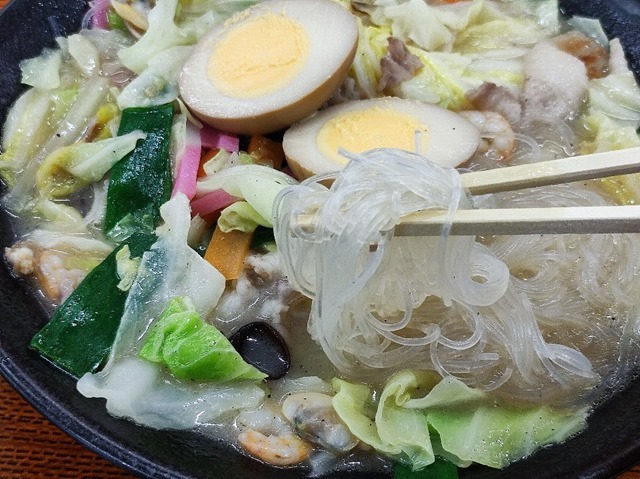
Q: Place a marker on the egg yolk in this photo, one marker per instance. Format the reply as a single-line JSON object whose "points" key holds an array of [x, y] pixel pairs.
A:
{"points": [[362, 130], [258, 56]]}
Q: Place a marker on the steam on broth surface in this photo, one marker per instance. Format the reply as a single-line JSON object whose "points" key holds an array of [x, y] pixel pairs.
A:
{"points": [[165, 245]]}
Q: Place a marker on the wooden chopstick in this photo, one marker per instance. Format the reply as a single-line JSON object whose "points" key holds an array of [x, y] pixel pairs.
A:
{"points": [[518, 221], [544, 173]]}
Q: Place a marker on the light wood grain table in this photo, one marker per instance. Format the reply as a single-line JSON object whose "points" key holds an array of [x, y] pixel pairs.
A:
{"points": [[33, 448]]}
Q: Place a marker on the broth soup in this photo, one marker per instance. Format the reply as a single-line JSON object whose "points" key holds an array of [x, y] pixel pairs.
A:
{"points": [[151, 233]]}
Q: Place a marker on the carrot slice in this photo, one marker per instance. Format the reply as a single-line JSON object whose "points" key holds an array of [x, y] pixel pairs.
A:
{"points": [[266, 152], [227, 251]]}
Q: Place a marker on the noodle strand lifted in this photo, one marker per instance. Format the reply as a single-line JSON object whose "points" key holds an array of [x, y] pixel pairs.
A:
{"points": [[381, 301]]}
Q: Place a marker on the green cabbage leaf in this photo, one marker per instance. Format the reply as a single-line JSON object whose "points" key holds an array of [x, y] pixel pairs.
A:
{"points": [[241, 216], [193, 349], [418, 417]]}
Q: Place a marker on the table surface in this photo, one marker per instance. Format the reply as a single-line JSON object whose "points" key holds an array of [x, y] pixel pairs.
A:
{"points": [[31, 447]]}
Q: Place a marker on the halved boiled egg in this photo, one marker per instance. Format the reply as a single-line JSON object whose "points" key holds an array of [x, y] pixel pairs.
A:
{"points": [[270, 65], [444, 137]]}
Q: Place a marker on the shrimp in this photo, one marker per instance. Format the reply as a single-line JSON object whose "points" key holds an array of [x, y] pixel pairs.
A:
{"points": [[496, 132], [48, 266], [57, 281], [286, 450]]}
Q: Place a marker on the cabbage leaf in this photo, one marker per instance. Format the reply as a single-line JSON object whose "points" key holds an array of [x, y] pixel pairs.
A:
{"points": [[465, 45], [30, 123], [84, 52], [158, 83], [139, 390], [193, 349], [82, 251], [70, 168], [171, 268], [592, 28], [417, 22], [241, 216], [126, 267], [161, 35], [617, 95], [67, 126], [258, 185], [453, 420], [372, 46], [609, 135], [42, 72]]}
